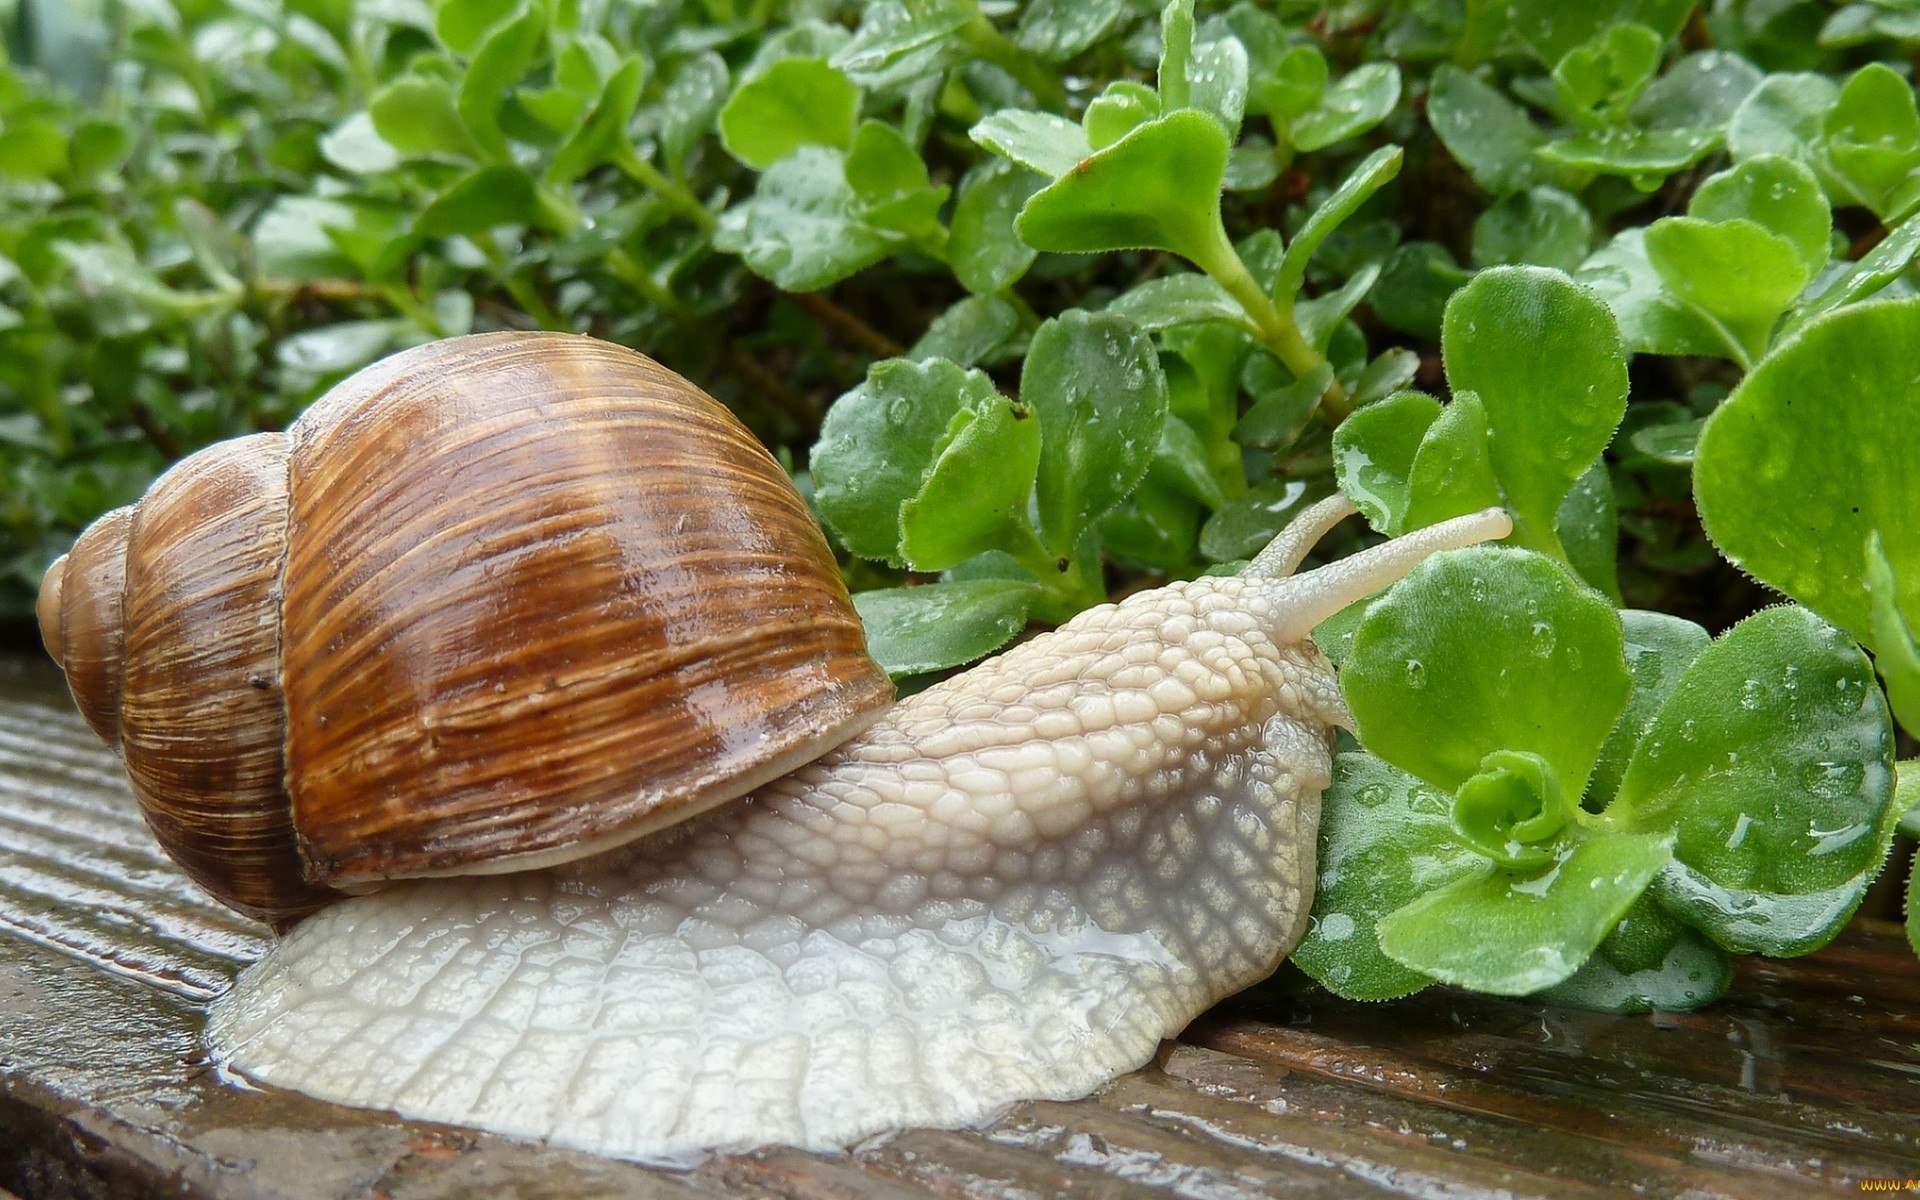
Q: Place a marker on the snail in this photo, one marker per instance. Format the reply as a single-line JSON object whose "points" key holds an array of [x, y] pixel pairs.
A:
{"points": [[1011, 885]]}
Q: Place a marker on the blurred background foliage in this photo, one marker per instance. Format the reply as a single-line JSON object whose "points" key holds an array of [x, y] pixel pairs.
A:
{"points": [[211, 210]]}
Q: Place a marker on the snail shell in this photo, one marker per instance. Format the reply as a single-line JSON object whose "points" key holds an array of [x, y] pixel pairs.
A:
{"points": [[493, 603]]}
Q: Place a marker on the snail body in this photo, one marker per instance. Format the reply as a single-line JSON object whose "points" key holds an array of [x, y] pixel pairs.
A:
{"points": [[1012, 886], [492, 603], [498, 607]]}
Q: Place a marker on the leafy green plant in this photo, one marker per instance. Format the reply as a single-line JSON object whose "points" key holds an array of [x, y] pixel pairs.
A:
{"points": [[1538, 765]]}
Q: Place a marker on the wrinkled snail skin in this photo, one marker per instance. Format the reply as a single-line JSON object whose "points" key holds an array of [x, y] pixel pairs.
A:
{"points": [[1013, 886]]}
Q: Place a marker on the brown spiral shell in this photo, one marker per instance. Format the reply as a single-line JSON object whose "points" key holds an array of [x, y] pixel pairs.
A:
{"points": [[492, 603]]}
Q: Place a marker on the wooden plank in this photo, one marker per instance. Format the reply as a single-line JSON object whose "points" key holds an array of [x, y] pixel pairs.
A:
{"points": [[1805, 1081]]}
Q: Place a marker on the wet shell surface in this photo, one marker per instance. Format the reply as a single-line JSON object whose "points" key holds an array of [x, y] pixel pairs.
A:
{"points": [[492, 603]]}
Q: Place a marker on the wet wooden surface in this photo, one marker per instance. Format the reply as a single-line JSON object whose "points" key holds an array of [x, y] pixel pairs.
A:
{"points": [[1805, 1081]]}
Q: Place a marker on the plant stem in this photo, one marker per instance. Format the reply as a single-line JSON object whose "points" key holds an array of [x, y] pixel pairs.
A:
{"points": [[1029, 319], [1061, 585], [632, 272], [403, 301], [524, 294], [848, 325], [668, 190], [1275, 326]]}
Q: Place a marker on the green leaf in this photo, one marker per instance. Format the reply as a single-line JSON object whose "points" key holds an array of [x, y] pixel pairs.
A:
{"points": [[1600, 78], [1361, 183], [1651, 962], [464, 24], [793, 103], [97, 148], [1361, 99], [1552, 28], [1279, 416], [33, 149], [1778, 194], [1415, 284], [1049, 144], [1490, 135], [1771, 762], [483, 199], [1782, 116], [1623, 150], [1873, 140], [1737, 274], [897, 43], [1544, 355], [1181, 299], [1876, 269], [1511, 807], [802, 228], [1511, 934], [501, 62], [1896, 653], [1096, 383], [1389, 372], [1385, 840], [880, 441], [355, 145], [1250, 520], [292, 240], [987, 255], [890, 183], [1156, 188], [1652, 319], [1320, 318], [974, 494], [913, 630], [1913, 904], [1486, 649], [1659, 649], [1123, 107], [417, 115], [1452, 473], [602, 135], [1702, 90], [1056, 30], [1296, 84], [1373, 452], [1217, 82], [1176, 48], [1669, 442], [1542, 226], [1812, 453], [973, 331], [1588, 524], [690, 107], [1181, 462]]}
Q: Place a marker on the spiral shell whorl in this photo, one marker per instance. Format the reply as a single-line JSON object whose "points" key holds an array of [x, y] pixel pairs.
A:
{"points": [[82, 618], [203, 718], [493, 603]]}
